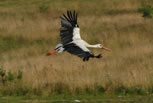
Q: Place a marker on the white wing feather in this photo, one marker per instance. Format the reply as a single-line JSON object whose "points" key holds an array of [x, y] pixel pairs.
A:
{"points": [[76, 34]]}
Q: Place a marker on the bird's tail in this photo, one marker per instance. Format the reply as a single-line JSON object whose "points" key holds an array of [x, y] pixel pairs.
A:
{"points": [[92, 56], [98, 56]]}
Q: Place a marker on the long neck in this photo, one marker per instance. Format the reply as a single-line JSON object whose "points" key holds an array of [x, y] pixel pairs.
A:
{"points": [[90, 46]]}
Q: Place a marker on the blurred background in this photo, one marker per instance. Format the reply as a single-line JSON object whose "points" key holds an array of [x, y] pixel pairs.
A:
{"points": [[30, 28]]}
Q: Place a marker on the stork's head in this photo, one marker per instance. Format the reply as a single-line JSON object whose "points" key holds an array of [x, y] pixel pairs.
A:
{"points": [[99, 45], [102, 47]]}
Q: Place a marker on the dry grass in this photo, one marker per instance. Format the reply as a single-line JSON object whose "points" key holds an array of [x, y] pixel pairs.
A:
{"points": [[130, 65]]}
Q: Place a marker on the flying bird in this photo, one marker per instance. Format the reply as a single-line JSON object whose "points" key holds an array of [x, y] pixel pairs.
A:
{"points": [[71, 39]]}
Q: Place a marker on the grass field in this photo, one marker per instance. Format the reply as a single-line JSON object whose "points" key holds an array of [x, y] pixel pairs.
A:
{"points": [[81, 98], [30, 28]]}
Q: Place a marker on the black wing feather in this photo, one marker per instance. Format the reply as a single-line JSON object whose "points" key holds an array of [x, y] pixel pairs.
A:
{"points": [[66, 18], [68, 22], [74, 49], [72, 18], [76, 17], [69, 15]]}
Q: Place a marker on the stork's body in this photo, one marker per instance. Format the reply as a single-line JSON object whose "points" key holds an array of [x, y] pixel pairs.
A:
{"points": [[71, 39]]}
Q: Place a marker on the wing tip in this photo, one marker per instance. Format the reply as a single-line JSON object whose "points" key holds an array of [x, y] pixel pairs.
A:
{"points": [[71, 16]]}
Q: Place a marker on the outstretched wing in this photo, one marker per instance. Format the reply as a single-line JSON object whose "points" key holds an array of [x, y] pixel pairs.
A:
{"points": [[70, 28], [79, 50]]}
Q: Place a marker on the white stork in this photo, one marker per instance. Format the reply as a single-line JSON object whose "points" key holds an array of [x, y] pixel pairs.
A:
{"points": [[71, 40]]}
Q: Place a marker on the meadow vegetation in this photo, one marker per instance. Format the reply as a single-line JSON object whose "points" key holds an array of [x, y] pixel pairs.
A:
{"points": [[30, 28]]}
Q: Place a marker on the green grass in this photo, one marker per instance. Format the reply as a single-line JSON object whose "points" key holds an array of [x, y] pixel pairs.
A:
{"points": [[147, 11], [82, 98], [8, 43]]}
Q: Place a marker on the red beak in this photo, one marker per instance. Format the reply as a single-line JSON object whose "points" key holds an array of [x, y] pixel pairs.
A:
{"points": [[106, 49], [51, 53]]}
